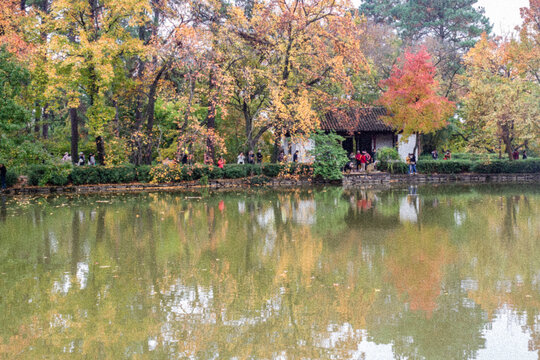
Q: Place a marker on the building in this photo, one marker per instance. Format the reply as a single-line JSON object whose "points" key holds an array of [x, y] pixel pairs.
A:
{"points": [[362, 128]]}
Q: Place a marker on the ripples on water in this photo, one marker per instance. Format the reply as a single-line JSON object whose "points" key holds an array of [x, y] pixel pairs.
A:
{"points": [[327, 273]]}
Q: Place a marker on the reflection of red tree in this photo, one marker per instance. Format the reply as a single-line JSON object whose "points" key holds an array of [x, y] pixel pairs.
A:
{"points": [[363, 204], [416, 265]]}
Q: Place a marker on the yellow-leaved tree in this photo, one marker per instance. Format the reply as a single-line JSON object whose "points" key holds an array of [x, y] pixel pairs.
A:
{"points": [[501, 106]]}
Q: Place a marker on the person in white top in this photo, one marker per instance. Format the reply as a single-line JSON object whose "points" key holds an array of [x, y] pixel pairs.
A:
{"points": [[66, 158], [241, 158]]}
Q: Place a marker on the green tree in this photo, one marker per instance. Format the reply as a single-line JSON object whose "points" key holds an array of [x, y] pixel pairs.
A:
{"points": [[330, 157]]}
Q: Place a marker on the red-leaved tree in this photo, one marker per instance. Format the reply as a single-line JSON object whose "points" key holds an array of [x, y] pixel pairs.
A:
{"points": [[411, 97]]}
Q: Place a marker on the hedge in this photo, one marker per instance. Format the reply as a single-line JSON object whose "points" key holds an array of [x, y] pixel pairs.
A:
{"points": [[393, 167], [11, 178], [463, 166], [61, 175], [509, 167], [444, 166]]}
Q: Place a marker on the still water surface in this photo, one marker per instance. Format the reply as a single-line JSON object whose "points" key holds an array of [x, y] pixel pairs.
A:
{"points": [[411, 273]]}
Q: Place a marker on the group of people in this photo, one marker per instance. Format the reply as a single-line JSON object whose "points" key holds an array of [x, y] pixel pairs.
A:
{"points": [[282, 157], [81, 161], [515, 154], [241, 158], [435, 155], [360, 160]]}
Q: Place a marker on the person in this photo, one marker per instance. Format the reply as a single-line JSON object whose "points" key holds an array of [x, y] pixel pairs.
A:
{"points": [[251, 157], [185, 157], [435, 154], [295, 156], [91, 160], [221, 162], [281, 156], [358, 157], [515, 155], [368, 157], [259, 157], [348, 167], [363, 160], [81, 159], [241, 158], [66, 158], [412, 164], [447, 155], [524, 156], [3, 173]]}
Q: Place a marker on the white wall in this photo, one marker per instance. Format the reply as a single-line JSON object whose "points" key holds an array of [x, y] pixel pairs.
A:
{"points": [[303, 147], [406, 146]]}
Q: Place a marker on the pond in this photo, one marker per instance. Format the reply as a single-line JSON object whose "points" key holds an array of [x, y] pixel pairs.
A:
{"points": [[448, 272]]}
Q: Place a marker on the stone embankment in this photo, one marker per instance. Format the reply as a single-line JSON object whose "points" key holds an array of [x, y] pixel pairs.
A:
{"points": [[389, 179], [369, 179]]}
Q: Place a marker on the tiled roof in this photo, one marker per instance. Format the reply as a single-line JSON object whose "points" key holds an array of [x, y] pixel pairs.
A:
{"points": [[356, 120]]}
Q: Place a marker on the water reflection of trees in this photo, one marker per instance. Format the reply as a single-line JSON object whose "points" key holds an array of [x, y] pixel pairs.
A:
{"points": [[306, 273]]}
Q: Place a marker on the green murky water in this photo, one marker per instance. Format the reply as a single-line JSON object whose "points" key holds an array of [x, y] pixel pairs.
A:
{"points": [[434, 272]]}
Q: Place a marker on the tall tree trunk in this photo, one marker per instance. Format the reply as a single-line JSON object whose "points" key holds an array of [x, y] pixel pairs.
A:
{"points": [[74, 134], [249, 125], [505, 135], [416, 144], [211, 122], [37, 119], [277, 146], [46, 119], [100, 146]]}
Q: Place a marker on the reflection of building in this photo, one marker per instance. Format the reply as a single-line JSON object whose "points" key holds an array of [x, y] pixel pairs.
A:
{"points": [[408, 208], [304, 212], [362, 128]]}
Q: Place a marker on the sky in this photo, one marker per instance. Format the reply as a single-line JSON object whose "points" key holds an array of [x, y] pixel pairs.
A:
{"points": [[503, 14]]}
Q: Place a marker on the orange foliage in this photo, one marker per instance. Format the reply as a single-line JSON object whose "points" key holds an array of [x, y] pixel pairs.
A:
{"points": [[416, 267], [411, 96], [11, 23]]}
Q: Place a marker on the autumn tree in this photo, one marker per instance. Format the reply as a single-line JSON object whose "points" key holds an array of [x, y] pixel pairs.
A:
{"points": [[501, 106], [90, 37], [447, 27], [411, 97]]}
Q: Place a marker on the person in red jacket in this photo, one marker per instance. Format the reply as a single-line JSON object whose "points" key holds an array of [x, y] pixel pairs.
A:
{"points": [[220, 162], [363, 161], [358, 157]]}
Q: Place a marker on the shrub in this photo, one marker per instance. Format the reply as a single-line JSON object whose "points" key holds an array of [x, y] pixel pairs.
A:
{"points": [[235, 171], [444, 166], [506, 166], [272, 170], [253, 169], [40, 175], [215, 172], [387, 153], [297, 169], [11, 178], [330, 157], [166, 173], [81, 175], [143, 173], [393, 166]]}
